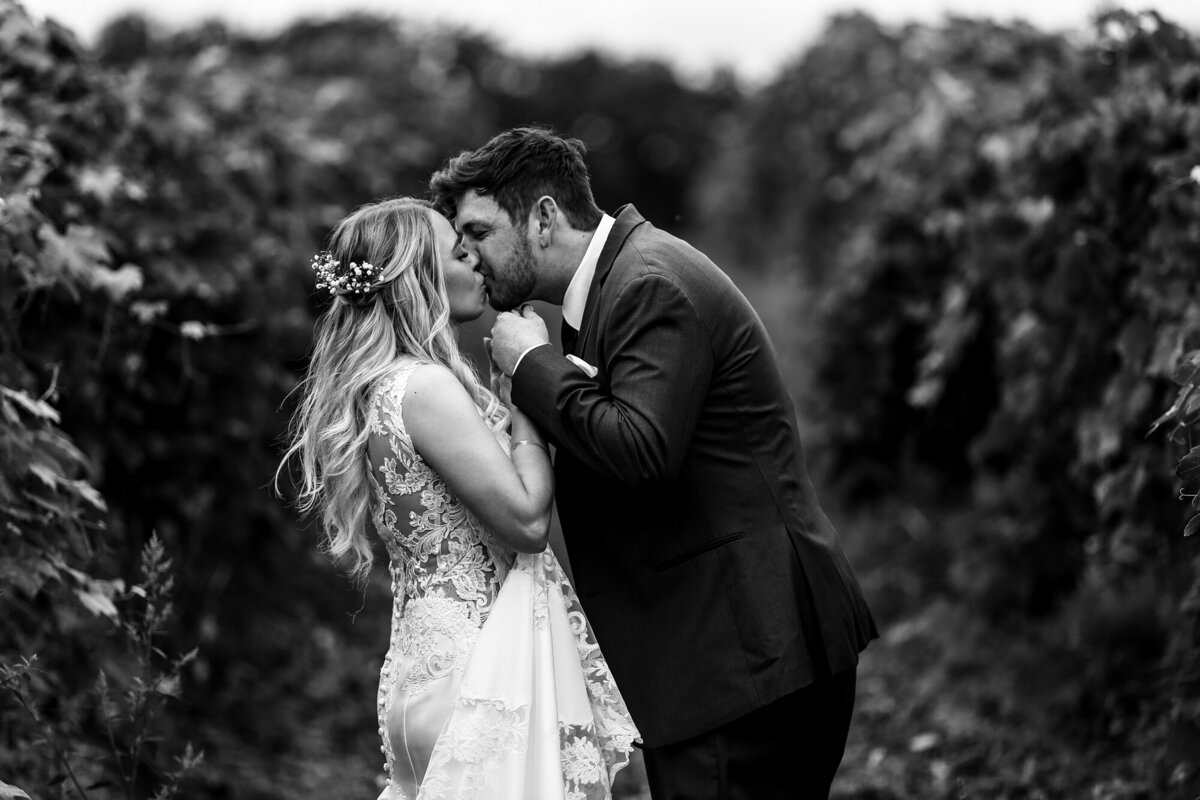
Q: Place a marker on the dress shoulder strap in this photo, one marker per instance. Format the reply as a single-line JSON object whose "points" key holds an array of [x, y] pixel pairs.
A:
{"points": [[388, 401]]}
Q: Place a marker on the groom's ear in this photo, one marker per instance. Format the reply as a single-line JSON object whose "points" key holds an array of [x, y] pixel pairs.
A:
{"points": [[545, 217]]}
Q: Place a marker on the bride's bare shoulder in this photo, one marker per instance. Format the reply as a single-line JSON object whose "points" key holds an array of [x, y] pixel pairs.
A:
{"points": [[433, 381], [434, 392], [438, 412]]}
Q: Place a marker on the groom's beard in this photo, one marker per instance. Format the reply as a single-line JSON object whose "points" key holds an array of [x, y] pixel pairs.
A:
{"points": [[513, 283]]}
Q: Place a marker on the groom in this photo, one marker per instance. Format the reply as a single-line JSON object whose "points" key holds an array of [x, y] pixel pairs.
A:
{"points": [[723, 602]]}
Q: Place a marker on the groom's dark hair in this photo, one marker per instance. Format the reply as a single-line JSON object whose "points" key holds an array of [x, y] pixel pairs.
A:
{"points": [[517, 167]]}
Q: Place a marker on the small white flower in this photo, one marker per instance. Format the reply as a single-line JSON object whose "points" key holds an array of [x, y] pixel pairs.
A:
{"points": [[1194, 175], [356, 280], [146, 312], [193, 330]]}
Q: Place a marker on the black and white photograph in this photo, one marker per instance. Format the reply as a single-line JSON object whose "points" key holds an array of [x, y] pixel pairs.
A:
{"points": [[659, 400]]}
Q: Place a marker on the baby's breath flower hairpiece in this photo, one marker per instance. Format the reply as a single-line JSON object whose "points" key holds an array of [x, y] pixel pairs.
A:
{"points": [[355, 279]]}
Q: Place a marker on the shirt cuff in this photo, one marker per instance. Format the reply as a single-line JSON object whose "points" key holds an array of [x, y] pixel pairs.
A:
{"points": [[524, 353]]}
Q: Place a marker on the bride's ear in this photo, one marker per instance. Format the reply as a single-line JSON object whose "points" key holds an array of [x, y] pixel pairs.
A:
{"points": [[545, 218]]}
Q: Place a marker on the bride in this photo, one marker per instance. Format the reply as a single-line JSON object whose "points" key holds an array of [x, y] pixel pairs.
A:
{"points": [[493, 685]]}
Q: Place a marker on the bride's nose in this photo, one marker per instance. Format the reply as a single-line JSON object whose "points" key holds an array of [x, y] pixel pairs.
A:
{"points": [[468, 255]]}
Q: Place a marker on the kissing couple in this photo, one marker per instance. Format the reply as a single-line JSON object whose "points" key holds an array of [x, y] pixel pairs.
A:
{"points": [[713, 619]]}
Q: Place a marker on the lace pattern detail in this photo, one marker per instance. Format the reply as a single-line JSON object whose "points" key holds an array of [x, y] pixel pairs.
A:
{"points": [[447, 576], [494, 727], [464, 764], [438, 553], [586, 774], [437, 634], [612, 728]]}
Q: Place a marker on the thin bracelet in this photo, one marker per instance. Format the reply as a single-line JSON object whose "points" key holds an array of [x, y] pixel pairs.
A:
{"points": [[520, 442]]}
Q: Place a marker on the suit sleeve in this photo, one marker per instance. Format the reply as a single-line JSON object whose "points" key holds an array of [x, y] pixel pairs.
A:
{"points": [[658, 362]]}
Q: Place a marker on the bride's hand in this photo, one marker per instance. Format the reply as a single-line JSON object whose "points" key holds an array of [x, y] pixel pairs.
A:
{"points": [[501, 384]]}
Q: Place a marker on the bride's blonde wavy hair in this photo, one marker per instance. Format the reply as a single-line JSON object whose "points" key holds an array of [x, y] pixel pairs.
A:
{"points": [[356, 343]]}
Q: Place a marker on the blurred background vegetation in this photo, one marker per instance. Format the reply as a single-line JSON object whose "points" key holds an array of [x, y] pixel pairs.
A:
{"points": [[977, 247]]}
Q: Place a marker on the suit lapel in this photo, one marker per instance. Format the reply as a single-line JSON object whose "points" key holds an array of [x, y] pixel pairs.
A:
{"points": [[627, 218]]}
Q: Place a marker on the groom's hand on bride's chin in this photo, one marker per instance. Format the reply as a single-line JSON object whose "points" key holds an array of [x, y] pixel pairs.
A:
{"points": [[514, 333]]}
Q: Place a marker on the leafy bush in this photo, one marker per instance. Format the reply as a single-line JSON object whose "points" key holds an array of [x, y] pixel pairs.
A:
{"points": [[60, 597]]}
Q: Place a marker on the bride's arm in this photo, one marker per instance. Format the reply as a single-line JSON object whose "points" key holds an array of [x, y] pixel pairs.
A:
{"points": [[511, 496]]}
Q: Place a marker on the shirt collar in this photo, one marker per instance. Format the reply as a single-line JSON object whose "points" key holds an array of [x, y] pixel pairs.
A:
{"points": [[576, 297]]}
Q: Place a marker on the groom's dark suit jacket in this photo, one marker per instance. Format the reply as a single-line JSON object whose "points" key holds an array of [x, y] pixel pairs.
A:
{"points": [[713, 580]]}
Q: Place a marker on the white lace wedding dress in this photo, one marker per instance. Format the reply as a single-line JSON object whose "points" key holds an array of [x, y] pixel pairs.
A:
{"points": [[493, 685]]}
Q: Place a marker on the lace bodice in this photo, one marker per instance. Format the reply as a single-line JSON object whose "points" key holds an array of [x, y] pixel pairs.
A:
{"points": [[439, 547]]}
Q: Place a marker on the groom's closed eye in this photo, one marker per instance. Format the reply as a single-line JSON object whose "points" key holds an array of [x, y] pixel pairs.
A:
{"points": [[475, 232]]}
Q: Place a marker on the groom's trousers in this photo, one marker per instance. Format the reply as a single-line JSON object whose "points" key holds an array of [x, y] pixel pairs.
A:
{"points": [[787, 750]]}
